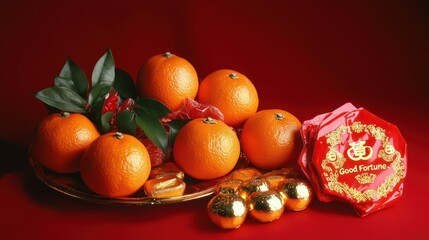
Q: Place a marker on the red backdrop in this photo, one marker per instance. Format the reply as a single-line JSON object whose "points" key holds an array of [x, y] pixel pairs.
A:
{"points": [[297, 54], [306, 57]]}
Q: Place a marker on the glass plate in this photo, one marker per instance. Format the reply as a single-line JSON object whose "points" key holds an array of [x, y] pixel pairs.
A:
{"points": [[72, 185]]}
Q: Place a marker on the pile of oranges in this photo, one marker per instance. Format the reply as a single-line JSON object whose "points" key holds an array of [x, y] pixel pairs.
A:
{"points": [[117, 165]]}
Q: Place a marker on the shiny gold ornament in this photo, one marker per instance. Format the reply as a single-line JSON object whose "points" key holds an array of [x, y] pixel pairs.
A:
{"points": [[296, 193], [265, 206], [253, 185], [227, 211], [228, 186]]}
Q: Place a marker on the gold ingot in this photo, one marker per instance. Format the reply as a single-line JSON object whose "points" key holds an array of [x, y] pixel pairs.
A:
{"points": [[166, 169], [245, 174], [265, 206], [227, 211], [228, 186], [287, 172], [253, 185], [276, 176], [275, 180], [296, 193], [162, 187]]}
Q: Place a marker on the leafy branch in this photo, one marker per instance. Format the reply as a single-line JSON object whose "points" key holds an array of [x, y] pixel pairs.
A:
{"points": [[73, 93]]}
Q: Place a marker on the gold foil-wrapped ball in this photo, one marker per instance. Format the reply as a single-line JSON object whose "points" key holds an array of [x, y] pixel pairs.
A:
{"points": [[296, 193], [253, 185], [265, 206], [227, 211], [228, 186]]}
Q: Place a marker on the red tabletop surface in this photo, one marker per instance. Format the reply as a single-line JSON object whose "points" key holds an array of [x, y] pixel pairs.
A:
{"points": [[306, 57]]}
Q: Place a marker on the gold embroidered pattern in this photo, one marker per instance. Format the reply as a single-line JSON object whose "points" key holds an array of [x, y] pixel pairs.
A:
{"points": [[365, 178], [335, 160]]}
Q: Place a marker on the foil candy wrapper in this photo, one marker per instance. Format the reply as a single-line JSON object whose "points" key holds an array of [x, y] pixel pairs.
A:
{"points": [[296, 193], [165, 180], [265, 206], [265, 195], [228, 211], [353, 156]]}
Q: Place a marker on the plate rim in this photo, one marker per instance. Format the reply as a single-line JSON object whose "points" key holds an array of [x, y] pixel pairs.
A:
{"points": [[121, 201]]}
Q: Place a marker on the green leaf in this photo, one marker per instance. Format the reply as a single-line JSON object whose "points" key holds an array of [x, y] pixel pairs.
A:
{"points": [[72, 76], [153, 129], [175, 126], [96, 110], [153, 107], [98, 92], [103, 77], [65, 82], [63, 99], [95, 114], [104, 70], [105, 122], [124, 84], [126, 122]]}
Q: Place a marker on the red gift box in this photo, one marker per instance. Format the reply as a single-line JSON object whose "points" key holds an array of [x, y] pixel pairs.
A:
{"points": [[353, 156]]}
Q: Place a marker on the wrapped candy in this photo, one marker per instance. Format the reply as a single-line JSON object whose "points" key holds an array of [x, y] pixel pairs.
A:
{"points": [[353, 156], [276, 176], [166, 186], [166, 169], [266, 196], [245, 174], [193, 109], [274, 180]]}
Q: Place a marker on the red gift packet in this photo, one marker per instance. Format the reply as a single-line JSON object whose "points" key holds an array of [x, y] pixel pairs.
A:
{"points": [[353, 156]]}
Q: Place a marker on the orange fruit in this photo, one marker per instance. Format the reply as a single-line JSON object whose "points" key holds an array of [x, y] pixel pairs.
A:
{"points": [[167, 78], [61, 139], [232, 93], [115, 165], [206, 149], [271, 139]]}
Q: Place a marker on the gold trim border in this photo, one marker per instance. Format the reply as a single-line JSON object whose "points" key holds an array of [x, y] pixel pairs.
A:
{"points": [[389, 154]]}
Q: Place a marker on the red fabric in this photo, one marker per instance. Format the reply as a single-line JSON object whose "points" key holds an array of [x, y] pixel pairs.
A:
{"points": [[306, 57]]}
